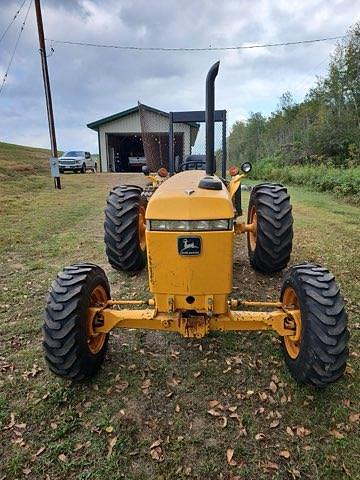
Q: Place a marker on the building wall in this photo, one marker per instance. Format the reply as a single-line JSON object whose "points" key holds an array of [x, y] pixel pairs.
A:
{"points": [[131, 124]]}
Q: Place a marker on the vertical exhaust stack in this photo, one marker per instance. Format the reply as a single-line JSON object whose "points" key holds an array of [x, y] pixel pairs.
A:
{"points": [[210, 118]]}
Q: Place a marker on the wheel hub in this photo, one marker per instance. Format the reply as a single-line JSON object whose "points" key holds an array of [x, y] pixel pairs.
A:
{"points": [[252, 231], [95, 340], [142, 228], [292, 342]]}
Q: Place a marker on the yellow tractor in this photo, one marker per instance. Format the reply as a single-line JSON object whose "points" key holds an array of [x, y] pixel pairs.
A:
{"points": [[185, 233]]}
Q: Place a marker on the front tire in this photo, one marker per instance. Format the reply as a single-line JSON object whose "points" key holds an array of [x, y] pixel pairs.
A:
{"points": [[316, 355], [71, 347], [270, 242], [83, 168], [125, 228]]}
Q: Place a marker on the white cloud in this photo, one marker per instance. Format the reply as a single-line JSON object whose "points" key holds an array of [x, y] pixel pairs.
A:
{"points": [[89, 83]]}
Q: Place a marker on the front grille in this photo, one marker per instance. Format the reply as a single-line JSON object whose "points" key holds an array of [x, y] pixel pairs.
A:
{"points": [[67, 162]]}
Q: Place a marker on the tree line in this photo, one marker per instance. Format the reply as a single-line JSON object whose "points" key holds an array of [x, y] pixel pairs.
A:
{"points": [[323, 129]]}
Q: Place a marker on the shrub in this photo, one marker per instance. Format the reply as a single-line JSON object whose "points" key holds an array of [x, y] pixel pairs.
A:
{"points": [[341, 181]]}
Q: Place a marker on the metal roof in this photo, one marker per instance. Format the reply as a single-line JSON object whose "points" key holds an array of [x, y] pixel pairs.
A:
{"points": [[95, 125]]}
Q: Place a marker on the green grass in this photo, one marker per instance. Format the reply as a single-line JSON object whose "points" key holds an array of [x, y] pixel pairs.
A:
{"points": [[18, 160], [342, 182], [43, 230]]}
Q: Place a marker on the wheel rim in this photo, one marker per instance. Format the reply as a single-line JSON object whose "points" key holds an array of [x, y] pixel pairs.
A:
{"points": [[95, 340], [293, 342], [252, 232], [142, 228]]}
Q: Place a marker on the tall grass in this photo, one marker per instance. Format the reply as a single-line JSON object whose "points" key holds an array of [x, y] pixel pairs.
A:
{"points": [[340, 181]]}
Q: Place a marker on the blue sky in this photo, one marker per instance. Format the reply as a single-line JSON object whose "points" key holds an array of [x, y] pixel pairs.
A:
{"points": [[89, 83]]}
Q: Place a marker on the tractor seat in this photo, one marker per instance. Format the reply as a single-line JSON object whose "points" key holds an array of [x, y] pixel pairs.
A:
{"points": [[192, 162]]}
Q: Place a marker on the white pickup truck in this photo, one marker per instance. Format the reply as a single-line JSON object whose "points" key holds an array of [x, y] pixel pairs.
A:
{"points": [[77, 161]]}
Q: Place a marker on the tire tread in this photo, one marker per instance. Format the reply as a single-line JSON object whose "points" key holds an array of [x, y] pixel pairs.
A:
{"points": [[323, 350], [275, 228], [64, 342]]}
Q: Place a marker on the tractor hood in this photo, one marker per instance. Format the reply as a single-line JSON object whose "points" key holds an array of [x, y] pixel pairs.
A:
{"points": [[180, 198]]}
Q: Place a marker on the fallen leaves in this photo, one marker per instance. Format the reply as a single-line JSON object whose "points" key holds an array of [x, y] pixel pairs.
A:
{"points": [[259, 411], [270, 466], [274, 423], [63, 458], [79, 446], [302, 431], [337, 434], [35, 370], [260, 436], [229, 457], [224, 422], [214, 413], [111, 445], [346, 470], [263, 396], [40, 451], [11, 423], [120, 387], [156, 451], [354, 417], [231, 460], [155, 444], [273, 387], [174, 382], [285, 454], [146, 385]]}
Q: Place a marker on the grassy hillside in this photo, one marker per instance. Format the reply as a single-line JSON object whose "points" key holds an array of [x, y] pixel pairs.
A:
{"points": [[18, 160]]}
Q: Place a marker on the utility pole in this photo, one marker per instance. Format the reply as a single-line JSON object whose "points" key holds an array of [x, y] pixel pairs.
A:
{"points": [[54, 160]]}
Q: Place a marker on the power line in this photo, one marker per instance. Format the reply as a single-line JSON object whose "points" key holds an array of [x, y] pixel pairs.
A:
{"points": [[15, 48], [194, 49], [12, 21]]}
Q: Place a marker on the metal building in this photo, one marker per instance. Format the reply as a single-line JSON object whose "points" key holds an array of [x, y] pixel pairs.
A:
{"points": [[121, 135]]}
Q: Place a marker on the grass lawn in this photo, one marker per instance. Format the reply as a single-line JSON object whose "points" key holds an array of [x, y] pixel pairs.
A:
{"points": [[157, 387]]}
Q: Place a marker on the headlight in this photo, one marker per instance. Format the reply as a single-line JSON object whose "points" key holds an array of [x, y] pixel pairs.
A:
{"points": [[189, 225]]}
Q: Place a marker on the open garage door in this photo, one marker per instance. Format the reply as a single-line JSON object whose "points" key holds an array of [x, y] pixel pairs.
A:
{"points": [[126, 151]]}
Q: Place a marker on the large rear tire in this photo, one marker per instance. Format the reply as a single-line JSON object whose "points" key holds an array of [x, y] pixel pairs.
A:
{"points": [[72, 349], [316, 355], [270, 243], [125, 228]]}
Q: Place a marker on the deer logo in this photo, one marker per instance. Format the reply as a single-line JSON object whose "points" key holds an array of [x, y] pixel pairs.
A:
{"points": [[189, 246]]}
